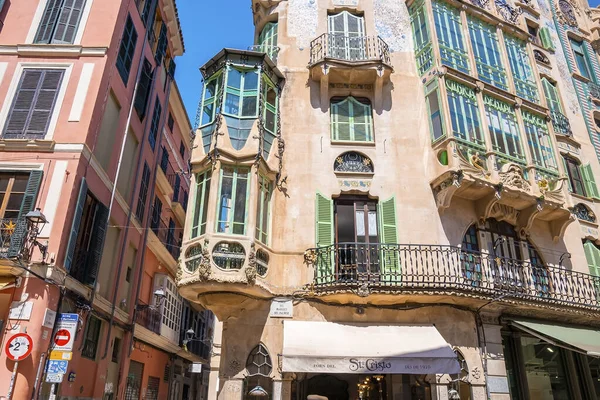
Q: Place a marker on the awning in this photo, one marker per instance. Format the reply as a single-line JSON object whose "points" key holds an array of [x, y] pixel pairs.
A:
{"points": [[585, 341], [327, 347]]}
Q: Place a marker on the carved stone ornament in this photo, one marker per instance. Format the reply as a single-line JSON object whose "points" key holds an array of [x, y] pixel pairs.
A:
{"points": [[541, 57], [474, 166], [363, 290], [310, 256], [554, 195], [445, 190], [508, 11], [476, 373], [566, 14], [234, 367], [511, 176], [582, 212], [502, 212], [353, 162], [250, 270], [198, 260]]}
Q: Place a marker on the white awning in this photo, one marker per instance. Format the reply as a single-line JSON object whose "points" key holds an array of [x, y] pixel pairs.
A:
{"points": [[327, 347]]}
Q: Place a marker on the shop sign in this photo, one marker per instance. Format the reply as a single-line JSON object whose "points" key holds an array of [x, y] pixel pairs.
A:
{"points": [[281, 308], [64, 338], [54, 378], [20, 310], [61, 355], [57, 367]]}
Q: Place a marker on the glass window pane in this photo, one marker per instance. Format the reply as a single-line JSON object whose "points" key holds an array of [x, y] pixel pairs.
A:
{"points": [[249, 106], [544, 369], [232, 104], [234, 78], [240, 198], [251, 80], [225, 201]]}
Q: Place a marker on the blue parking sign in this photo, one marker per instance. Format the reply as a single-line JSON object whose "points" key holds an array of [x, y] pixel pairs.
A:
{"points": [[57, 367]]}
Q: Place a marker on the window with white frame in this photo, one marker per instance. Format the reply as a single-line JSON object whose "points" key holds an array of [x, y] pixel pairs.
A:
{"points": [[171, 307]]}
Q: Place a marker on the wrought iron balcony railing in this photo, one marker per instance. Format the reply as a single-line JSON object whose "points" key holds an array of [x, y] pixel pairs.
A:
{"points": [[594, 89], [437, 267], [13, 235], [561, 123], [148, 317], [349, 48], [169, 237], [271, 51]]}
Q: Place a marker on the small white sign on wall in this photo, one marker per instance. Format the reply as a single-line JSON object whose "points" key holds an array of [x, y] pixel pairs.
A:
{"points": [[20, 310], [345, 3], [282, 308], [49, 318]]}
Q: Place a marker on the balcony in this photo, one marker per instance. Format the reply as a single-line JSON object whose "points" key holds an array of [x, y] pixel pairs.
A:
{"points": [[594, 89], [359, 60], [271, 51], [372, 268], [165, 177], [180, 200], [12, 237], [561, 123], [168, 237], [149, 318]]}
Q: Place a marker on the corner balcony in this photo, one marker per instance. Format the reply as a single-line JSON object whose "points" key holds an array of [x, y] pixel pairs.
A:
{"points": [[561, 124], [338, 58], [368, 269]]}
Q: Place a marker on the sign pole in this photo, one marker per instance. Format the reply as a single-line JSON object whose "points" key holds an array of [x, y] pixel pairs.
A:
{"points": [[12, 381]]}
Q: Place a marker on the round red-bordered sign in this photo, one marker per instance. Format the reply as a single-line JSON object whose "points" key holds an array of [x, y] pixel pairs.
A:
{"points": [[18, 347], [62, 337]]}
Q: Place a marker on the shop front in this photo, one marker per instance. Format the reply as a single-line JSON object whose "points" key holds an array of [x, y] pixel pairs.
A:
{"points": [[367, 362], [551, 362]]}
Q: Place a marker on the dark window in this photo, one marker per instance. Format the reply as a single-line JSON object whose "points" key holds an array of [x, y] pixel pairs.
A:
{"points": [[182, 150], [176, 192], [33, 104], [126, 50], [575, 179], [171, 122], [92, 336], [533, 31], [155, 122], [152, 391], [156, 211], [116, 350], [143, 90], [84, 251], [141, 204], [171, 235], [581, 58], [161, 48], [147, 9], [128, 274], [60, 21]]}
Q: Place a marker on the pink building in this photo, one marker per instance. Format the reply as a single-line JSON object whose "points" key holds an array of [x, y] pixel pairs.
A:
{"points": [[94, 135]]}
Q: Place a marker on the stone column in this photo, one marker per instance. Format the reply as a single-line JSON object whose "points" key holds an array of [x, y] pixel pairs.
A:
{"points": [[232, 389], [497, 381]]}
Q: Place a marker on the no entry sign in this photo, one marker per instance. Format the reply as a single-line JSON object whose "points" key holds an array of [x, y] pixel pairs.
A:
{"points": [[18, 347], [62, 337]]}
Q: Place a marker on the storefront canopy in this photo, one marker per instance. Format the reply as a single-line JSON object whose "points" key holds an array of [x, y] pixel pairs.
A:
{"points": [[585, 341], [326, 347]]}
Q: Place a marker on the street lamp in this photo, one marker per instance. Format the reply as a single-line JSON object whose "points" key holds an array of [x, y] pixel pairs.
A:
{"points": [[189, 337], [36, 221]]}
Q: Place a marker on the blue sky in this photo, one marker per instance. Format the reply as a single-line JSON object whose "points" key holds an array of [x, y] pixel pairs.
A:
{"points": [[208, 27]]}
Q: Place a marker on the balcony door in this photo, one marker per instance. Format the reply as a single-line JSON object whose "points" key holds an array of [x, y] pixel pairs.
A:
{"points": [[346, 36], [356, 230]]}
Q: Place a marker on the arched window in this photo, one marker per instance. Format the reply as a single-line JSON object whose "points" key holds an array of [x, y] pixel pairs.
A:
{"points": [[461, 388], [351, 119], [346, 32], [258, 382], [495, 257]]}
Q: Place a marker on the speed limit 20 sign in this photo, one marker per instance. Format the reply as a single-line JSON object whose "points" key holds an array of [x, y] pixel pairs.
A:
{"points": [[18, 347]]}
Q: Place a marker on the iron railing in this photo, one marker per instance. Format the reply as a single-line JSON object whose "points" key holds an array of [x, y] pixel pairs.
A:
{"points": [[561, 123], [169, 237], [180, 195], [594, 89], [148, 317], [13, 235], [349, 48], [437, 267], [166, 167], [271, 51]]}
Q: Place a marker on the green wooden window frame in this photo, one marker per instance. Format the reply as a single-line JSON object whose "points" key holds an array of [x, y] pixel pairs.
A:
{"points": [[552, 96], [575, 174], [201, 199], [422, 37], [592, 255], [263, 209], [232, 207], [582, 59], [434, 110], [540, 142], [210, 97], [390, 262], [351, 119], [464, 113], [589, 181], [60, 22], [486, 50], [448, 25], [270, 113], [242, 86], [504, 129], [520, 66], [324, 237], [267, 40], [546, 38]]}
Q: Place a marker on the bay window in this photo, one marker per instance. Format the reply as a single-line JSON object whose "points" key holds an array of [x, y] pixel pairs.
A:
{"points": [[351, 119], [448, 26], [267, 40], [520, 66], [241, 93], [422, 38], [464, 113], [209, 99], [432, 99], [263, 209], [540, 143], [271, 100], [202, 196], [233, 196], [504, 130], [487, 53]]}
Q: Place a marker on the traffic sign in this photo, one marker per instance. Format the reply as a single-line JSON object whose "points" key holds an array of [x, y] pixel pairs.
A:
{"points": [[54, 378], [18, 347], [61, 355], [57, 367], [62, 337], [66, 327]]}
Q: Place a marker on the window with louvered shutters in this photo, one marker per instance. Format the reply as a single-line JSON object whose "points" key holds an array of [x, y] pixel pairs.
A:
{"points": [[152, 390], [60, 21], [161, 48], [141, 204], [134, 381], [126, 50], [155, 122], [143, 91], [33, 104]]}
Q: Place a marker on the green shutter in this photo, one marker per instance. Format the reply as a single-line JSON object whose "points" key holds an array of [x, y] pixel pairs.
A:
{"points": [[389, 260], [546, 39], [27, 205], [75, 225], [96, 244], [592, 254], [324, 238], [566, 167], [590, 182]]}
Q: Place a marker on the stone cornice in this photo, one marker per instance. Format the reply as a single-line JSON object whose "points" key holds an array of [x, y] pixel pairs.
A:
{"points": [[49, 50]]}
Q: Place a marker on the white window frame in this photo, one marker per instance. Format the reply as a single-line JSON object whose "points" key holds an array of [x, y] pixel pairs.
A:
{"points": [[39, 13], [14, 84]]}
